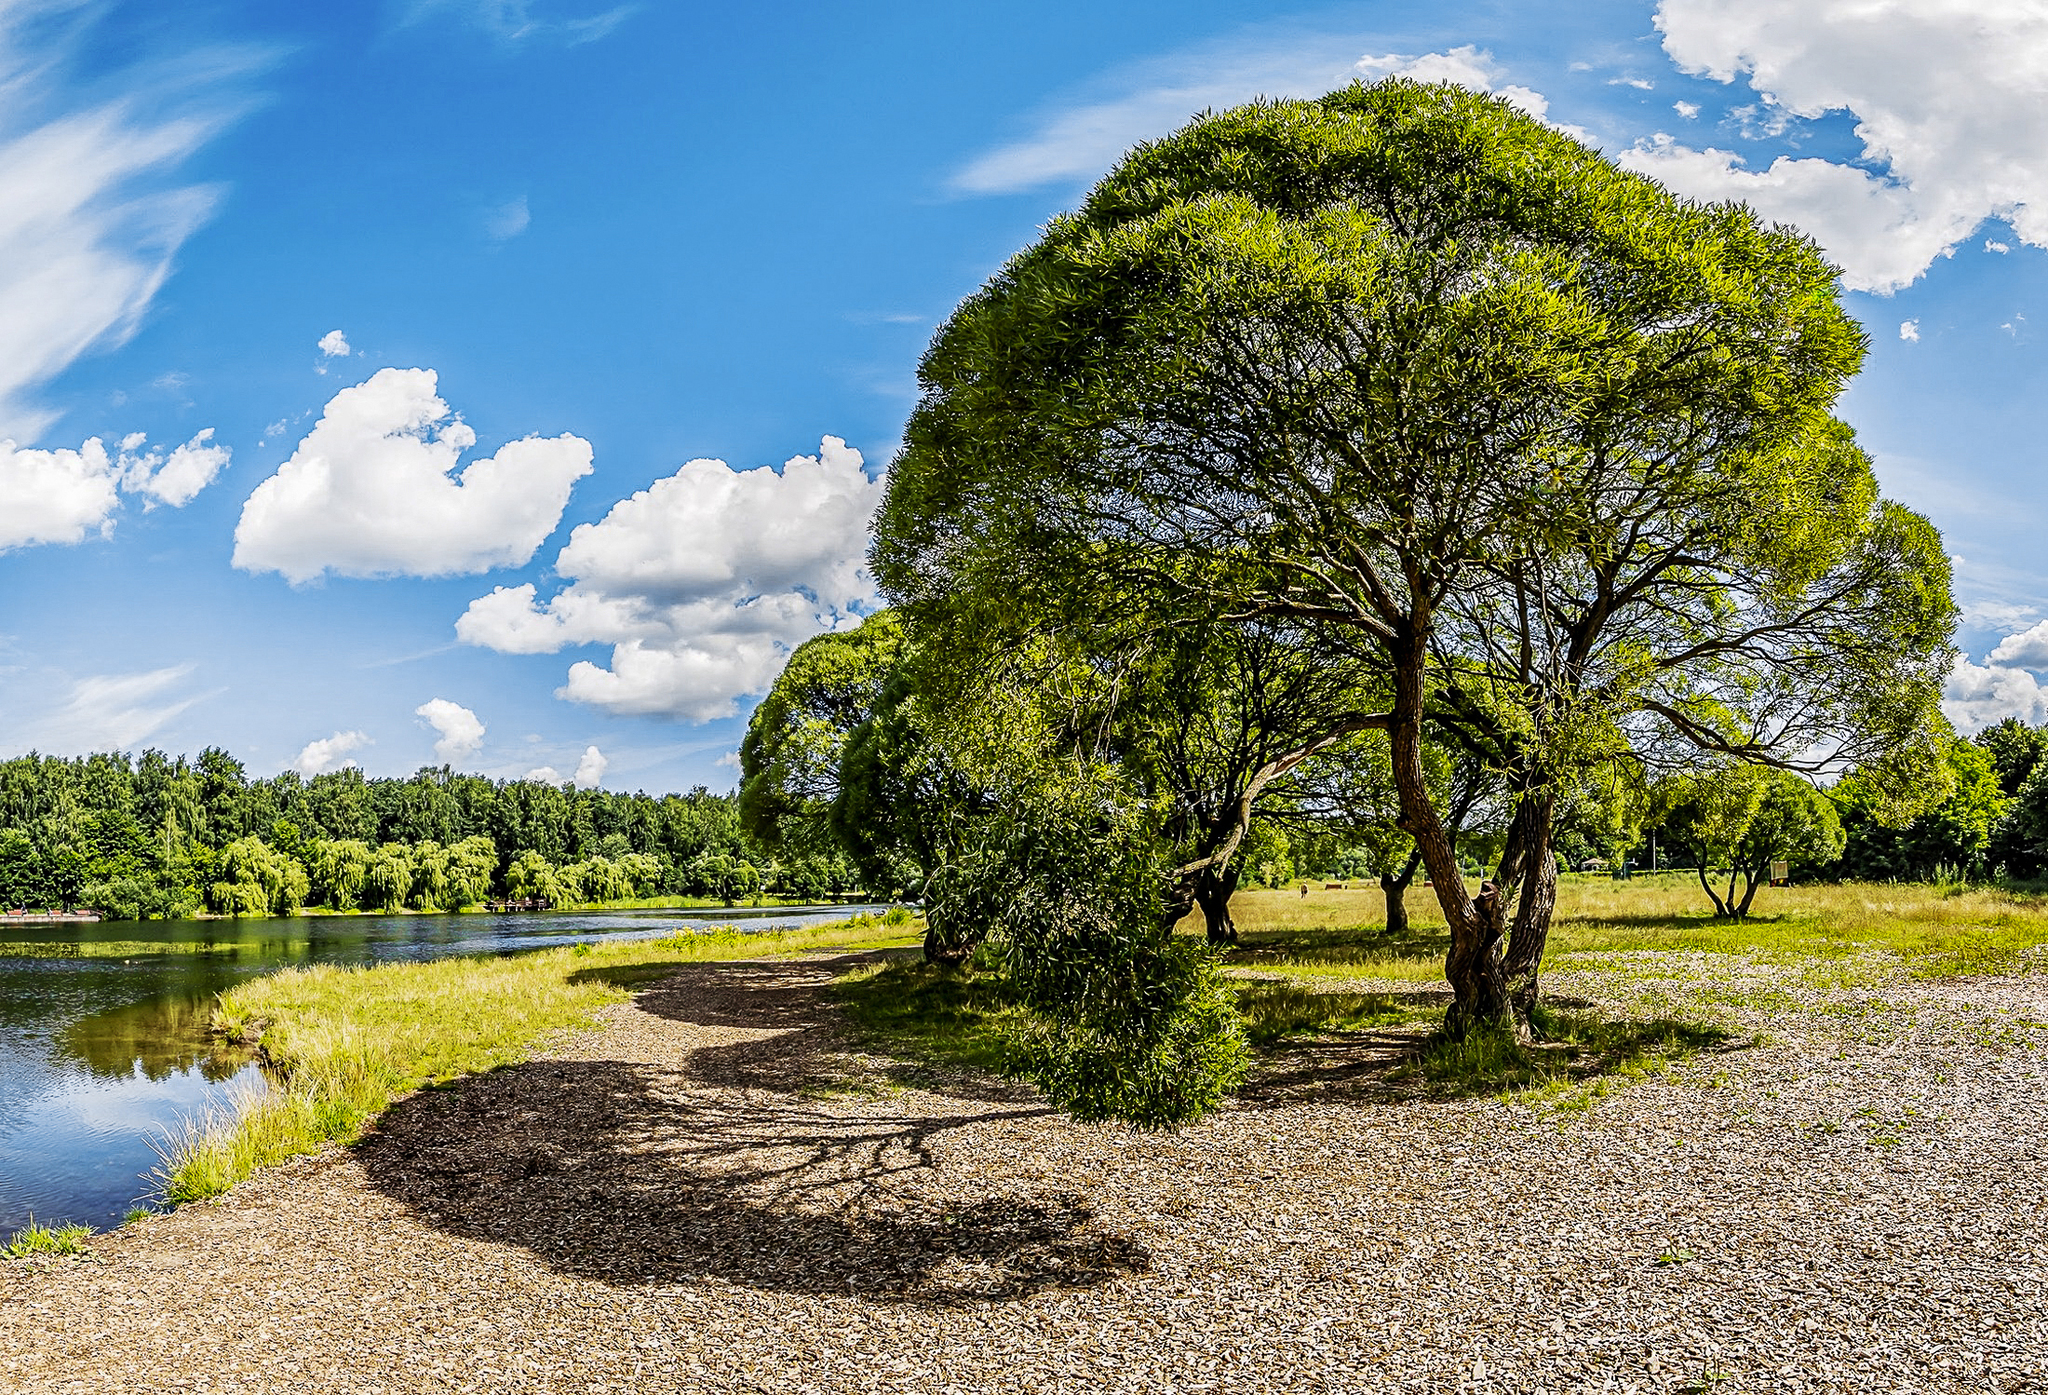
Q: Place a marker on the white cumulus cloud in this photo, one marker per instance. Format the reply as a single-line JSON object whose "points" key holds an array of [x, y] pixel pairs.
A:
{"points": [[64, 496], [369, 491], [1081, 141], [1949, 104], [2026, 649], [1977, 695], [590, 769], [329, 752], [702, 584], [175, 480], [56, 496], [334, 344], [461, 732], [544, 775], [1909, 331]]}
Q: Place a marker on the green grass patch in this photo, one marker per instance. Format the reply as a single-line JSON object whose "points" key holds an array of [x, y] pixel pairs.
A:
{"points": [[1932, 931], [1344, 951], [1577, 1058], [34, 1239], [961, 1018], [966, 1018], [130, 949], [1273, 1012], [342, 1044]]}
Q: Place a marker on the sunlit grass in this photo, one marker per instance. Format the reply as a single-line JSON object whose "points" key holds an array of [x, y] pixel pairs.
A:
{"points": [[958, 1017], [1274, 1012], [342, 1044], [35, 1239], [128, 949], [1931, 930]]}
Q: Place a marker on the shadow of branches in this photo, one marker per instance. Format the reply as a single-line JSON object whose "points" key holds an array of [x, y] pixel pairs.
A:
{"points": [[729, 1168]]}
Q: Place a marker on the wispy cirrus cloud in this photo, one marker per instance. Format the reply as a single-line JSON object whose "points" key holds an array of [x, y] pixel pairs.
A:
{"points": [[519, 21], [91, 211], [110, 712]]}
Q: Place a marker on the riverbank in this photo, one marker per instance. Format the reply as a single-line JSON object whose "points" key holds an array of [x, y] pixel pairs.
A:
{"points": [[342, 1043], [640, 903], [717, 1189]]}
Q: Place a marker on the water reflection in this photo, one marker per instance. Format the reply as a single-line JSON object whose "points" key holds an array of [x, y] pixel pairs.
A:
{"points": [[103, 1040], [155, 1039]]}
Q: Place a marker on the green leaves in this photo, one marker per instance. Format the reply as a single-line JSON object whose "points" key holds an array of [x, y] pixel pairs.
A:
{"points": [[1523, 440]]}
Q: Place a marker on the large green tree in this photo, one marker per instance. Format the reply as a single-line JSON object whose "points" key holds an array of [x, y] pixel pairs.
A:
{"points": [[1548, 447]]}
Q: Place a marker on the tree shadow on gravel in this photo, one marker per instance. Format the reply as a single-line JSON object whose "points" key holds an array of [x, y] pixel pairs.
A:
{"points": [[1412, 1062], [728, 1169]]}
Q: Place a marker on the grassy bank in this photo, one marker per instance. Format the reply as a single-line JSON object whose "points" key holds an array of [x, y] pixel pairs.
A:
{"points": [[344, 1043]]}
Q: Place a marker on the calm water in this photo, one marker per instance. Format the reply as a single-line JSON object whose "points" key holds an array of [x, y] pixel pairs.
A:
{"points": [[103, 1043]]}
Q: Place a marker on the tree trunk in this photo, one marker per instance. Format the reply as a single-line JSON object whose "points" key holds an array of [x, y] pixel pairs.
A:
{"points": [[1721, 910], [1536, 867], [1753, 876], [1473, 966], [1396, 889], [1213, 890]]}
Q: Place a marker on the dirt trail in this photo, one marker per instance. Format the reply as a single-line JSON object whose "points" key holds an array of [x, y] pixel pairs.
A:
{"points": [[710, 1194]]}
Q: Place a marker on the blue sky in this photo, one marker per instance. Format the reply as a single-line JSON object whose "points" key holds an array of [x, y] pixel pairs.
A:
{"points": [[322, 260]]}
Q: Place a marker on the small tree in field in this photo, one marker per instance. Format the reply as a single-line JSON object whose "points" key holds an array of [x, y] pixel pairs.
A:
{"points": [[1545, 449], [1741, 819]]}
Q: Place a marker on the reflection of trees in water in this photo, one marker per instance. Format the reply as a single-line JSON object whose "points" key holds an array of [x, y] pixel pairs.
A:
{"points": [[162, 1037]]}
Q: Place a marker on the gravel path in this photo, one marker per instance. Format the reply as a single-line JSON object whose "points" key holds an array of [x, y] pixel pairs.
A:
{"points": [[710, 1193]]}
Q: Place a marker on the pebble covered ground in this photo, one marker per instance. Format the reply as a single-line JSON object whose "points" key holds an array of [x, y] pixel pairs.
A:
{"points": [[713, 1193]]}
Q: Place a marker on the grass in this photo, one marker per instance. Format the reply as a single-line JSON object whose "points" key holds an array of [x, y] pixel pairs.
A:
{"points": [[1932, 931], [128, 949], [959, 1018], [1274, 1012], [1577, 1058], [34, 1239], [965, 1019], [342, 1044]]}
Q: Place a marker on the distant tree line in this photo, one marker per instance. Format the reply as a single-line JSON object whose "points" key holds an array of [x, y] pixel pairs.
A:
{"points": [[161, 836]]}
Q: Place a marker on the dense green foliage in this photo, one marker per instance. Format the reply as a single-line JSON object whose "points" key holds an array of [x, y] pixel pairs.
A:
{"points": [[161, 836], [1337, 427]]}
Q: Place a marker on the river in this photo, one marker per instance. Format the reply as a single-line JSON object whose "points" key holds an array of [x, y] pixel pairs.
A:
{"points": [[103, 1041]]}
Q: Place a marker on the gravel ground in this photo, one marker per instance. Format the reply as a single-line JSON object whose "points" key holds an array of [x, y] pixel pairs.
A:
{"points": [[712, 1193]]}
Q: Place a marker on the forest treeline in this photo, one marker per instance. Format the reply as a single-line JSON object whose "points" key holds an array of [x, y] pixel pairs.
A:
{"points": [[165, 836]]}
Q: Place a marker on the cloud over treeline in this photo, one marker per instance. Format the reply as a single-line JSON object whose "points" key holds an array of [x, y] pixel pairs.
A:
{"points": [[702, 583]]}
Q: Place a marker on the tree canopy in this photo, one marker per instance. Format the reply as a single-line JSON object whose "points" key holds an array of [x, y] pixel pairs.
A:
{"points": [[1544, 450]]}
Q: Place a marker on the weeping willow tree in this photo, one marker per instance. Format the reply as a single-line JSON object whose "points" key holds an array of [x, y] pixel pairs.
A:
{"points": [[1545, 450]]}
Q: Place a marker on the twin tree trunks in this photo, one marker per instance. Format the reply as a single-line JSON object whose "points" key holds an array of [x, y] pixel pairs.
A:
{"points": [[1492, 966]]}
